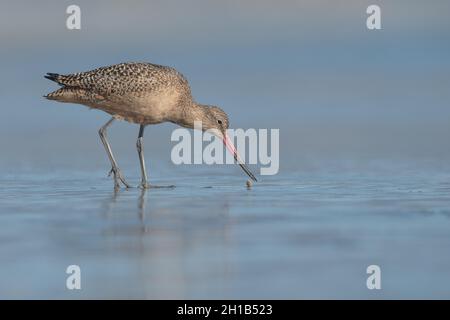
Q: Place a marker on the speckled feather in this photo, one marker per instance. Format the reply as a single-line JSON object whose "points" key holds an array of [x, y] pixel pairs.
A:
{"points": [[127, 90]]}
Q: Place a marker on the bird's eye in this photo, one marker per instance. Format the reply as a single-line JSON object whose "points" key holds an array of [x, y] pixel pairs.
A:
{"points": [[219, 121]]}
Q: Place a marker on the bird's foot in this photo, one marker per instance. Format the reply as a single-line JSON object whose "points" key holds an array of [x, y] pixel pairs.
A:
{"points": [[118, 177], [146, 185]]}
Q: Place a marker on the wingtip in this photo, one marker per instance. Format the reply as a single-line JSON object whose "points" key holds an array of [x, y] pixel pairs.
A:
{"points": [[51, 76]]}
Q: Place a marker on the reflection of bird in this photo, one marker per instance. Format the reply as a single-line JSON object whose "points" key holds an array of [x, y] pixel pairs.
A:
{"points": [[141, 93]]}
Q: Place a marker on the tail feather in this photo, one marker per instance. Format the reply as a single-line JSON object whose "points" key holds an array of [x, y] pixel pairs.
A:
{"points": [[72, 89], [52, 76], [74, 95], [66, 94], [70, 80], [57, 95]]}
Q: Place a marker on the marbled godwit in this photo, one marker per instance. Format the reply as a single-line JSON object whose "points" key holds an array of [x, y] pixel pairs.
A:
{"points": [[144, 94]]}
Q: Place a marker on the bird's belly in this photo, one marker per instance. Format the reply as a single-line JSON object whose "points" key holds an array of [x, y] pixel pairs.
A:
{"points": [[142, 110]]}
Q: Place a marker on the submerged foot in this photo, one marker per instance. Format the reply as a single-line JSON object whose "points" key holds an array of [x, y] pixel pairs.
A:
{"points": [[146, 185]]}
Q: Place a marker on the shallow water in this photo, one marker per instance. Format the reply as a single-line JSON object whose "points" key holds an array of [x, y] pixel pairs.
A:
{"points": [[307, 235]]}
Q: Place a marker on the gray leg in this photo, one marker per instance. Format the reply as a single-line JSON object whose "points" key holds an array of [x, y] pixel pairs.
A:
{"points": [[115, 169], [140, 150]]}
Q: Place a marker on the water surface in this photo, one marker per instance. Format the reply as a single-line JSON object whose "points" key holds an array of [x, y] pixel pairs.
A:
{"points": [[297, 235]]}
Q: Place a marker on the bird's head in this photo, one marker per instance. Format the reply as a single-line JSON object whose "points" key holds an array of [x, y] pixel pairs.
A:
{"points": [[215, 120]]}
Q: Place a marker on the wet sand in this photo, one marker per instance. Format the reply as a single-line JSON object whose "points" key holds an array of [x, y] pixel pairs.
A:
{"points": [[296, 235]]}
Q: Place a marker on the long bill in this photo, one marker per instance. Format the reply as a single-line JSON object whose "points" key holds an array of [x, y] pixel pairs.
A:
{"points": [[230, 146]]}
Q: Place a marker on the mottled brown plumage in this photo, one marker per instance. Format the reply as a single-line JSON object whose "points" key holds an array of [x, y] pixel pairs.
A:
{"points": [[141, 93]]}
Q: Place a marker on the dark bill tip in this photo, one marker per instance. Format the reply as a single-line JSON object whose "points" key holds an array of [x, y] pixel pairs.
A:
{"points": [[248, 172]]}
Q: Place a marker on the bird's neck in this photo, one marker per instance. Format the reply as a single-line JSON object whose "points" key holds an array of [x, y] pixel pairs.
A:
{"points": [[191, 113]]}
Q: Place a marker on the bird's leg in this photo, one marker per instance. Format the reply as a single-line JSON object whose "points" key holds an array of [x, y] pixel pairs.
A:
{"points": [[140, 150], [115, 169]]}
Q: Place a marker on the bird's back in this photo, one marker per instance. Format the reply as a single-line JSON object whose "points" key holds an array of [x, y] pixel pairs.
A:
{"points": [[125, 89]]}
